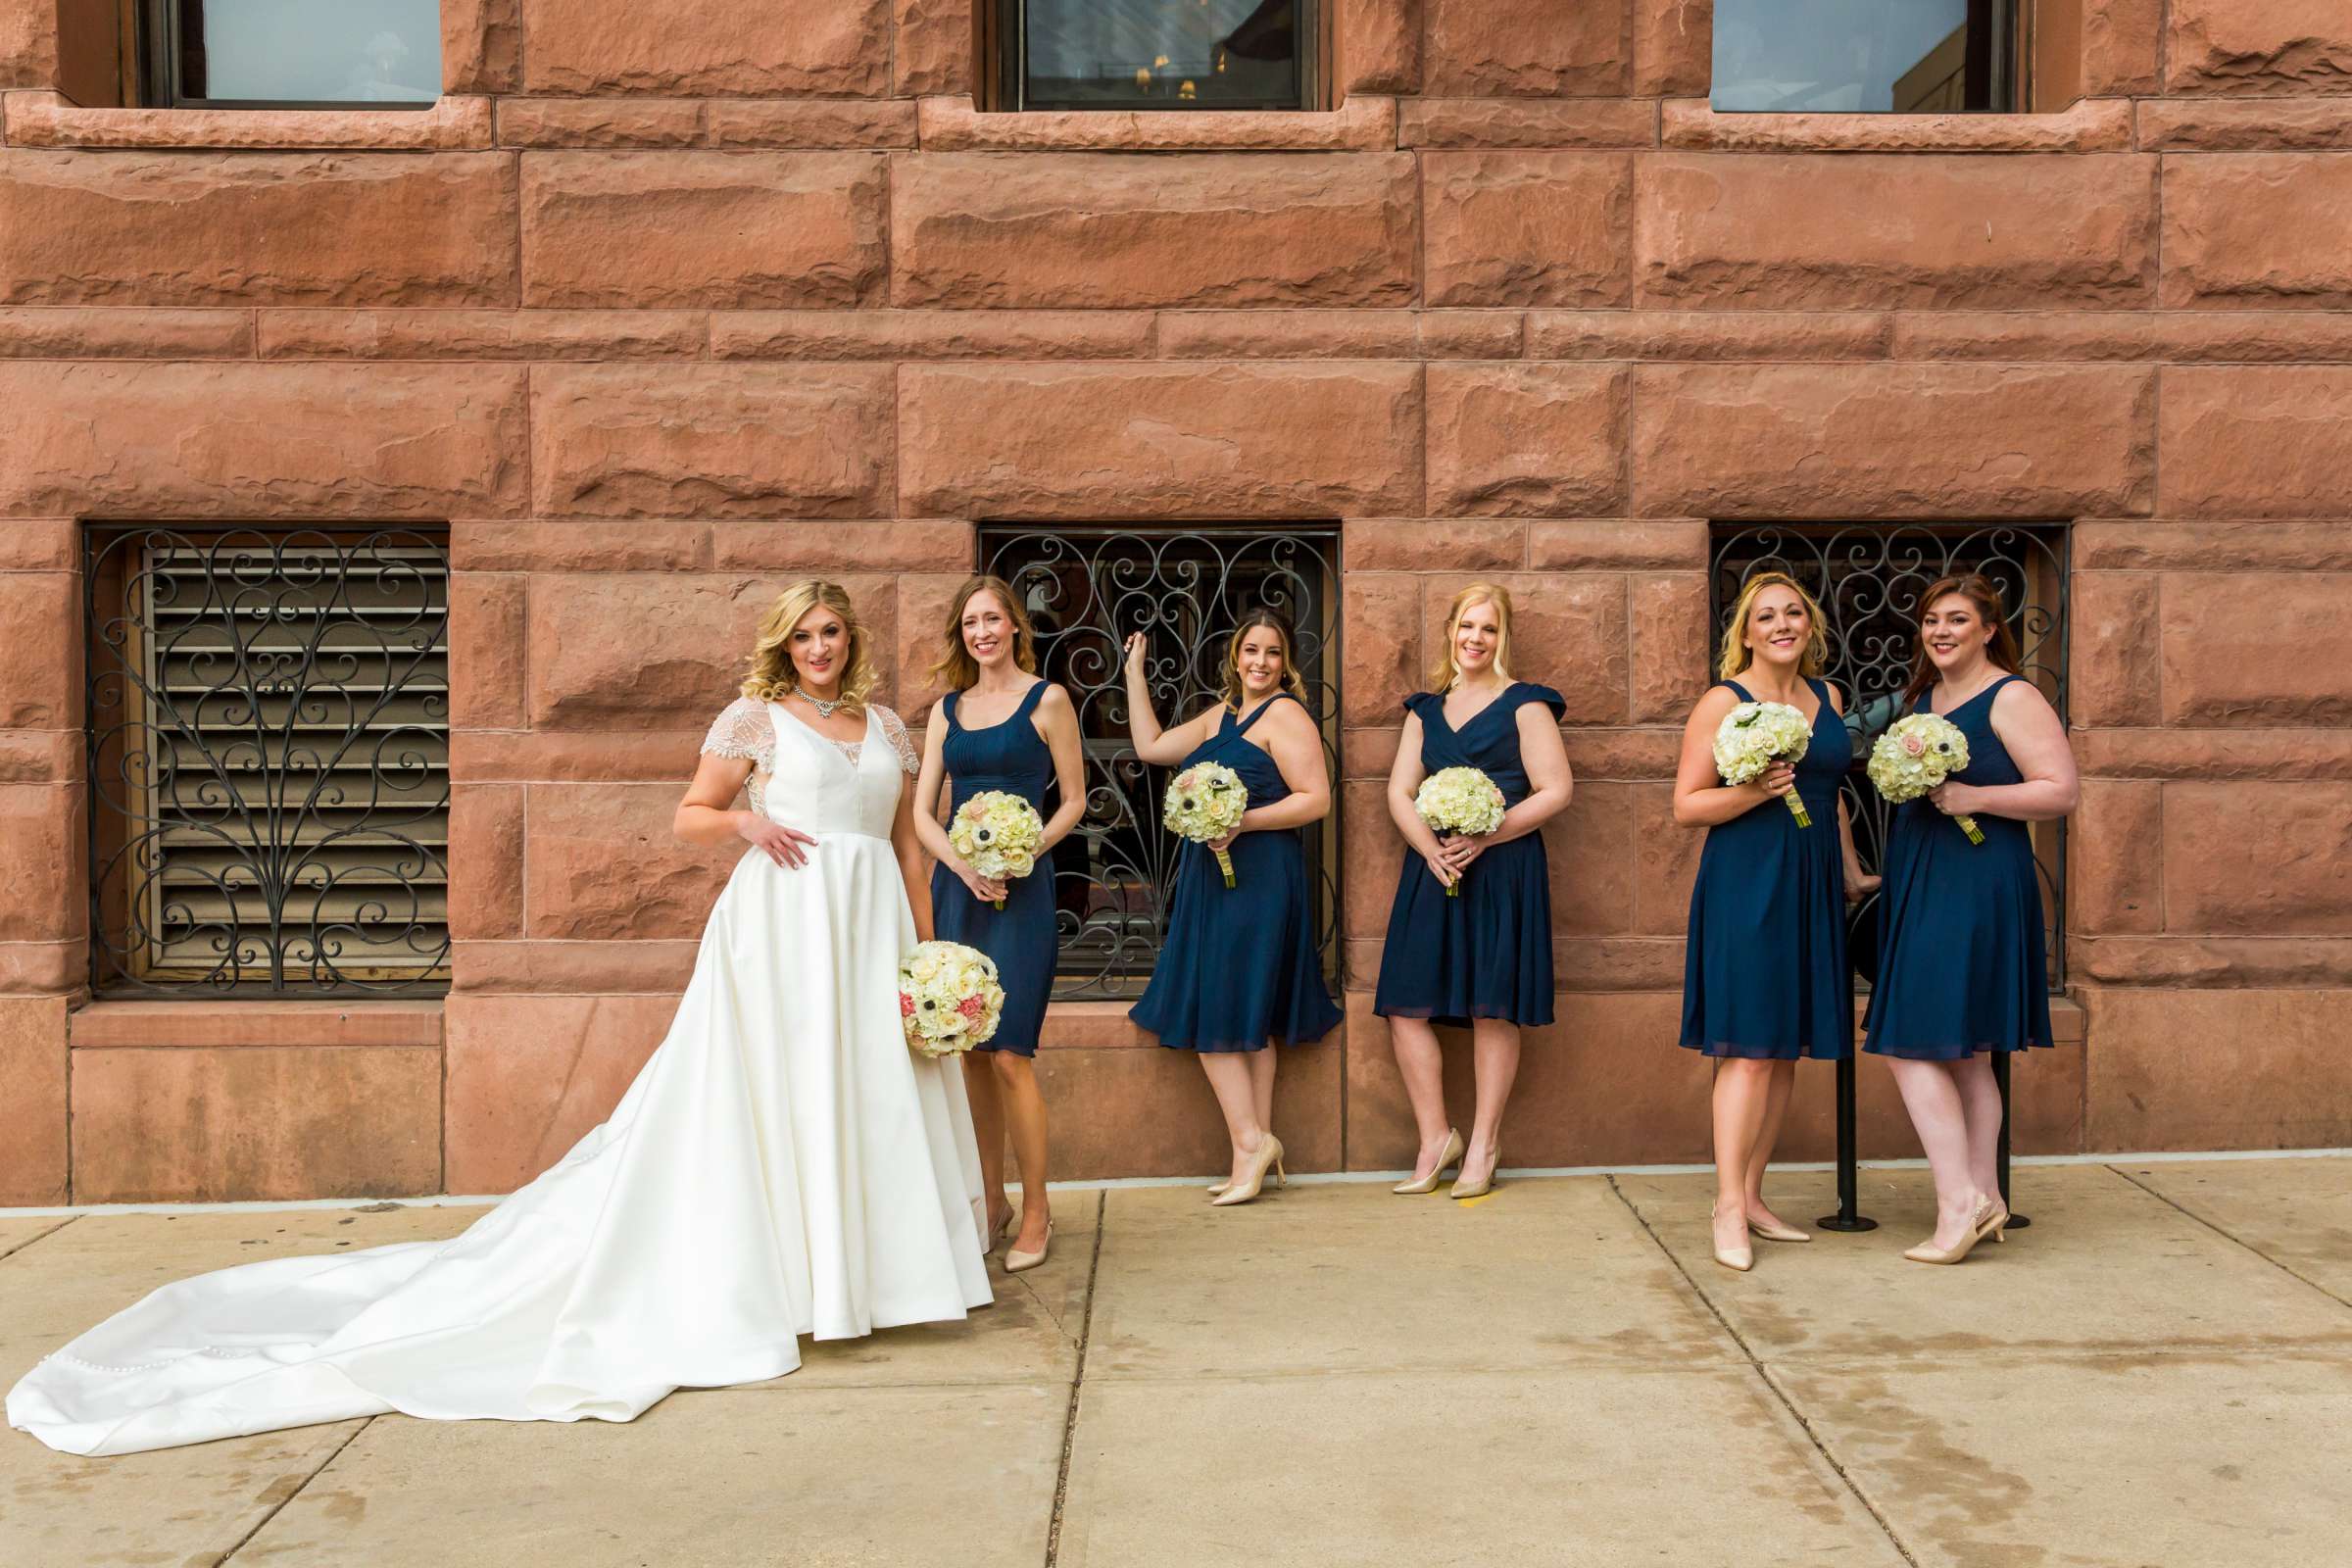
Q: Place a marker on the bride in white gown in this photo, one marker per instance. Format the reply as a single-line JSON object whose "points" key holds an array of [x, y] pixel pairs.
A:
{"points": [[782, 1166]]}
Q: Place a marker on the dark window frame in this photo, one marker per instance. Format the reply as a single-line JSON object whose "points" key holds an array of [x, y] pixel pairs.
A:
{"points": [[1006, 47], [1999, 54], [162, 70]]}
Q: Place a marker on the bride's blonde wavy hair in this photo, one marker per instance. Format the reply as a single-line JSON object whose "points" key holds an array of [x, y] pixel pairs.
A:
{"points": [[771, 677]]}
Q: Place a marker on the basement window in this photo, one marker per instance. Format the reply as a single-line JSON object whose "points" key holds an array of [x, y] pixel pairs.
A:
{"points": [[1154, 54], [1911, 57], [289, 54]]}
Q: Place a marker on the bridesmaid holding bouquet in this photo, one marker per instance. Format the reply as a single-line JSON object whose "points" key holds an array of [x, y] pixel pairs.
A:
{"points": [[1469, 940], [1002, 728], [1961, 971], [1765, 980]]}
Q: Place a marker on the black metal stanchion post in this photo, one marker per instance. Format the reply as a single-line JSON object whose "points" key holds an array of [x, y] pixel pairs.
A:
{"points": [[1848, 1216], [2000, 1076]]}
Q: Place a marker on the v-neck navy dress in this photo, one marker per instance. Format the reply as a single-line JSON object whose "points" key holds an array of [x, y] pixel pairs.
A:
{"points": [[1239, 968], [1960, 948], [1487, 952], [1764, 969], [1014, 757]]}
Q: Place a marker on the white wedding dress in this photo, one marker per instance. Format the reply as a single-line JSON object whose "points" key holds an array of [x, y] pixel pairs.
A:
{"points": [[782, 1166]]}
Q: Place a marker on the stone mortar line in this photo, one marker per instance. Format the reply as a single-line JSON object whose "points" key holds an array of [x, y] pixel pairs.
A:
{"points": [[10, 1252], [1069, 1420], [263, 1522], [2236, 1241], [1756, 1365]]}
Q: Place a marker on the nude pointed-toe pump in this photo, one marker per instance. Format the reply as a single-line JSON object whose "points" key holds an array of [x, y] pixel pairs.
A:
{"points": [[1981, 1225], [1269, 1157], [1451, 1157], [1017, 1262]]}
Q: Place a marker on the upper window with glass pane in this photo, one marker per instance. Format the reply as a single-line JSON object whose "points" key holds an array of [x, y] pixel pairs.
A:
{"points": [[238, 54], [1900, 57], [1156, 54]]}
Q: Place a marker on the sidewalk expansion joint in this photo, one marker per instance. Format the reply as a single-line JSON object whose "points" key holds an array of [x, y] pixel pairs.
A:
{"points": [[2236, 1241], [263, 1523], [1069, 1419], [10, 1252]]}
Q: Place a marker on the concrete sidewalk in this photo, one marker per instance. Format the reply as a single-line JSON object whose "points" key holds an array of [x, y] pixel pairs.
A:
{"points": [[2158, 1372]]}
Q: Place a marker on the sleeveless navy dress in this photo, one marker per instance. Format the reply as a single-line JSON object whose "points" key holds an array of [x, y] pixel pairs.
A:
{"points": [[1014, 757], [1764, 970], [1239, 968], [1487, 952], [1960, 948]]}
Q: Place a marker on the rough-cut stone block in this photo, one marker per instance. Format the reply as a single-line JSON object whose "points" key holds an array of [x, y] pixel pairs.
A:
{"points": [[2260, 230], [39, 544], [2121, 42], [1590, 850], [580, 544], [926, 544], [1526, 123], [1525, 48], [2247, 46], [528, 1076], [2157, 1081], [1674, 48], [932, 49], [932, 335], [1290, 334], [488, 679], [1849, 441], [630, 757], [816, 122], [1379, 45], [41, 627], [28, 45], [187, 1022], [1707, 335], [212, 1124], [1242, 440], [1528, 229], [2243, 963], [602, 864], [1472, 334], [572, 968], [2212, 547], [104, 334], [600, 122], [714, 48], [261, 440], [1670, 633], [1375, 852], [2162, 336], [1665, 866], [482, 334], [1450, 545], [1617, 544], [41, 757], [924, 599], [2216, 754], [716, 441], [703, 228], [43, 968], [2114, 632], [1111, 229], [485, 860], [2114, 876], [2303, 835], [1718, 229], [1121, 1109], [2256, 442], [182, 229], [50, 120], [1567, 632], [2231, 125], [1527, 440], [2093, 125], [1381, 632], [1362, 125], [33, 1128], [2256, 648], [481, 45]]}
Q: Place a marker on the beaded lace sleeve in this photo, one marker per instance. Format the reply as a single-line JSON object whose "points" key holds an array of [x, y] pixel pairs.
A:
{"points": [[744, 731], [894, 730]]}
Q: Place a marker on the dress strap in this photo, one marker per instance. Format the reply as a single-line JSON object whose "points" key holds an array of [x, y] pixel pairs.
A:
{"points": [[1737, 690], [948, 707], [1262, 712], [1036, 695]]}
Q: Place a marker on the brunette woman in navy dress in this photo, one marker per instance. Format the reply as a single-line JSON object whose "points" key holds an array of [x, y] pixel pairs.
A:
{"points": [[1001, 727], [1481, 957], [1765, 980], [1239, 972], [1961, 972]]}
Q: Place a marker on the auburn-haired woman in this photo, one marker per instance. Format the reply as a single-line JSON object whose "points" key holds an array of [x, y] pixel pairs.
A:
{"points": [[1469, 938], [781, 1165], [1961, 971], [1001, 727], [1239, 972], [1764, 969]]}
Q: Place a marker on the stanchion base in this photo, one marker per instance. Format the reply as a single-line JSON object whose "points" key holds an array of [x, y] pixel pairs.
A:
{"points": [[1857, 1222], [2016, 1222]]}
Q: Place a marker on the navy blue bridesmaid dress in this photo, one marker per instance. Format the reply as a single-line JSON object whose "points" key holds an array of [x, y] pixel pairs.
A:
{"points": [[1764, 969], [1487, 952], [1960, 946], [1014, 757], [1239, 968]]}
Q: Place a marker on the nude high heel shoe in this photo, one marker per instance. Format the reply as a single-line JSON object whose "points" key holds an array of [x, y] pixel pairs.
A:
{"points": [[1738, 1259], [1017, 1262], [1452, 1157], [1777, 1233], [1269, 1157], [1981, 1225]]}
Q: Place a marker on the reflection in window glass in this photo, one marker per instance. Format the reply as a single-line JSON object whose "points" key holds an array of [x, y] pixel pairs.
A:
{"points": [[1904, 57], [1162, 53], [351, 51]]}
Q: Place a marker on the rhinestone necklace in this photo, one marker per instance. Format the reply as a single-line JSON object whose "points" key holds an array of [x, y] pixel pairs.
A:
{"points": [[824, 710]]}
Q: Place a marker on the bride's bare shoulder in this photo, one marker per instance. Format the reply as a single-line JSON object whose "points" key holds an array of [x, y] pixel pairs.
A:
{"points": [[742, 731]]}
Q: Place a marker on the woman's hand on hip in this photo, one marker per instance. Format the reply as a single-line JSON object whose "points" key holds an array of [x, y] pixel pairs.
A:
{"points": [[783, 845]]}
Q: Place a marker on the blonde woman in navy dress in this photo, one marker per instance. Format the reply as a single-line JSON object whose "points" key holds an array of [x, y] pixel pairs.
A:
{"points": [[1765, 980], [1961, 973], [1001, 727], [1481, 959], [1239, 971]]}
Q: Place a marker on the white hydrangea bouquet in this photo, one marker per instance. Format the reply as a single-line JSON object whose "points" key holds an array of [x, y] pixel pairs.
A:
{"points": [[1755, 735], [999, 834], [1459, 799], [1917, 753], [948, 999], [1205, 804]]}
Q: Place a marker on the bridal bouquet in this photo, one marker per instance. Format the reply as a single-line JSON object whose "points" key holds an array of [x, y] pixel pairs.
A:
{"points": [[1459, 799], [998, 834], [1755, 735], [1915, 755], [949, 998], [1205, 804]]}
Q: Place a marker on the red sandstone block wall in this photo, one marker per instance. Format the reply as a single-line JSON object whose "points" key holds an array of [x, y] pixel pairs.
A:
{"points": [[660, 307]]}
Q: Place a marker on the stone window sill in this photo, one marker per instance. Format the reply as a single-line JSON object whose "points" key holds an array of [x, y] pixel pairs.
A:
{"points": [[953, 124], [214, 1021], [1092, 1024], [50, 120], [2093, 125]]}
